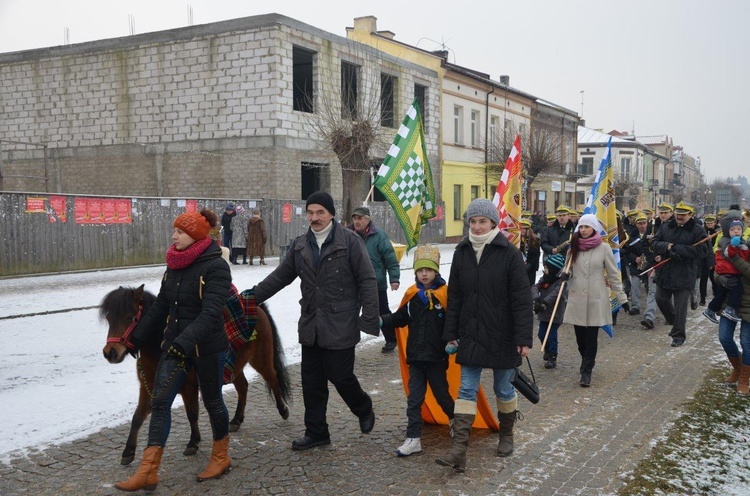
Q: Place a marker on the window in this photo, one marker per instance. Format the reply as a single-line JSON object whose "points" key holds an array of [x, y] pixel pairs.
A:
{"points": [[457, 202], [580, 198], [569, 199], [458, 124], [625, 166], [349, 76], [474, 128], [586, 167], [314, 178], [474, 192], [420, 93], [302, 77], [521, 131], [387, 97]]}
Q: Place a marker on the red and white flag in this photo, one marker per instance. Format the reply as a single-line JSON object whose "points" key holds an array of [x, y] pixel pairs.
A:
{"points": [[508, 195]]}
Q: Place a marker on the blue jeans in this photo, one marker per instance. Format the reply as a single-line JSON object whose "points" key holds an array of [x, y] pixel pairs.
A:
{"points": [[551, 346], [470, 376], [726, 338]]}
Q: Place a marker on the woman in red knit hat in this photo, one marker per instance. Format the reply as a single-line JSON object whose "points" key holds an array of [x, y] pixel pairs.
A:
{"points": [[193, 292]]}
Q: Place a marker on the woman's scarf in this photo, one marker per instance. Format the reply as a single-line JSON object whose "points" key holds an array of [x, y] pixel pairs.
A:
{"points": [[180, 259], [478, 242], [585, 244]]}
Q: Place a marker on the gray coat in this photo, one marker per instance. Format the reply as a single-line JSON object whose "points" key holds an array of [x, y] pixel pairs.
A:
{"points": [[588, 293], [336, 284], [239, 229]]}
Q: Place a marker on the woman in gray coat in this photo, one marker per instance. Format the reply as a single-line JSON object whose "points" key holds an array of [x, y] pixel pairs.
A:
{"points": [[593, 271], [239, 235]]}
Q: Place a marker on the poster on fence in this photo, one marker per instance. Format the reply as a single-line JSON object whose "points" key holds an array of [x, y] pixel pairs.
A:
{"points": [[36, 205], [103, 210], [191, 206], [286, 213], [58, 208]]}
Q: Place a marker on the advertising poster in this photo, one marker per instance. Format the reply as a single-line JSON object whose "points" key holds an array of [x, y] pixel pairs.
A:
{"points": [[108, 211], [58, 209], [36, 205], [95, 211], [80, 210], [123, 211], [440, 213], [286, 213], [191, 206]]}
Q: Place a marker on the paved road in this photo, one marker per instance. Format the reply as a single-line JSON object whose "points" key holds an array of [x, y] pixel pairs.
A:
{"points": [[575, 441]]}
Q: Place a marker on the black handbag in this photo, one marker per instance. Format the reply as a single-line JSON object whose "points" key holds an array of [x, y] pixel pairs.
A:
{"points": [[524, 385]]}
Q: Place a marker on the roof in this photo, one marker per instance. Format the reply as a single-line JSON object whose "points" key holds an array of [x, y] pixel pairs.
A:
{"points": [[592, 136]]}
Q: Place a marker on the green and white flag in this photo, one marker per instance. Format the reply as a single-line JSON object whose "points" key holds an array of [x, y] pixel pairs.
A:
{"points": [[405, 178]]}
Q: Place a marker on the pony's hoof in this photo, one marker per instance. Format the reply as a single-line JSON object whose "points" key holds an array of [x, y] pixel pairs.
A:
{"points": [[127, 460], [234, 427], [190, 450], [284, 412]]}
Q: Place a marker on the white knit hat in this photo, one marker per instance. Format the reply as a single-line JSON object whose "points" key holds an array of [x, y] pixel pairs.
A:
{"points": [[589, 220]]}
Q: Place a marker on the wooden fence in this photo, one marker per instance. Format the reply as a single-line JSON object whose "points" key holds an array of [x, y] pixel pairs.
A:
{"points": [[38, 242]]}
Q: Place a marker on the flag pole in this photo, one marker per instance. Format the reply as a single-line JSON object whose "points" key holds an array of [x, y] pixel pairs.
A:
{"points": [[557, 302]]}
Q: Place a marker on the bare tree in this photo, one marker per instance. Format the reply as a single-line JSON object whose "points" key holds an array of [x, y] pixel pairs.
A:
{"points": [[354, 116]]}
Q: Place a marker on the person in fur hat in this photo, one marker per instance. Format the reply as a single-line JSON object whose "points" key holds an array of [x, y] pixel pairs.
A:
{"points": [[544, 293], [191, 298], [423, 309]]}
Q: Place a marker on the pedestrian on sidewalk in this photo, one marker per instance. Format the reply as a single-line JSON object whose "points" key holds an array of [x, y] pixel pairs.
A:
{"points": [[544, 293], [384, 262], [740, 360], [490, 315], [191, 298], [337, 284], [588, 306], [226, 224], [423, 309], [257, 237], [239, 234]]}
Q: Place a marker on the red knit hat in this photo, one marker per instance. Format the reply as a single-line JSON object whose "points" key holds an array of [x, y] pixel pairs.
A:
{"points": [[193, 224]]}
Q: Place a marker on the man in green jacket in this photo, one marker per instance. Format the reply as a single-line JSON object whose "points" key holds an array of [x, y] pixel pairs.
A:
{"points": [[383, 259]]}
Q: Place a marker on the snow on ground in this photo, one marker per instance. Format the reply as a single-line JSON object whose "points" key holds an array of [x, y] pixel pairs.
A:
{"points": [[55, 385]]}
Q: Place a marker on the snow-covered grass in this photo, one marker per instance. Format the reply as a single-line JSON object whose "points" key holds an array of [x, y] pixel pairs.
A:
{"points": [[706, 451]]}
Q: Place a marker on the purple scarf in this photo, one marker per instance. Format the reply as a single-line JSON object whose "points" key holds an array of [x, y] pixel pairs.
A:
{"points": [[585, 244]]}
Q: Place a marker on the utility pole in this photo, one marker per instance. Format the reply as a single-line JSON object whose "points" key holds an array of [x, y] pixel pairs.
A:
{"points": [[581, 104]]}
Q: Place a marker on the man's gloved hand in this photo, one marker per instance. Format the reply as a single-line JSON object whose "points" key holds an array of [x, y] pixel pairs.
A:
{"points": [[727, 282], [675, 256], [539, 307], [564, 276], [735, 241]]}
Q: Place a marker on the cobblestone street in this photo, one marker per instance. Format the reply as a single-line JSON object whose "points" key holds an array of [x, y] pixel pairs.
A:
{"points": [[575, 441]]}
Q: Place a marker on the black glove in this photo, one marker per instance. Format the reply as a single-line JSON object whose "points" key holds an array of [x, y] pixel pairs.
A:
{"points": [[674, 255], [539, 307], [564, 276], [626, 306], [727, 282]]}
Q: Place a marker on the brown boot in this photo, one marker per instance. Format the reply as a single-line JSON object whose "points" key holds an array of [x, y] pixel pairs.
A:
{"points": [[462, 420], [743, 384], [147, 475], [220, 463], [732, 378], [506, 415]]}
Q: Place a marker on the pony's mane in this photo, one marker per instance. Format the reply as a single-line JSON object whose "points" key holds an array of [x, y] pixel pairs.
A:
{"points": [[119, 302]]}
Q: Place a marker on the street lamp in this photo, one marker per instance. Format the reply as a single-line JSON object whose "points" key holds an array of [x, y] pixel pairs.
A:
{"points": [[705, 200]]}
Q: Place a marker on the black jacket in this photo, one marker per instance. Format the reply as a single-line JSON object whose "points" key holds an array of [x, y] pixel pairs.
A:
{"points": [[638, 246], [192, 314], [226, 221], [489, 304], [555, 235], [682, 270], [425, 342], [336, 283]]}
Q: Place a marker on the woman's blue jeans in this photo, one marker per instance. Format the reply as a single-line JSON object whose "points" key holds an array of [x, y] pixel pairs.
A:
{"points": [[470, 376], [726, 338]]}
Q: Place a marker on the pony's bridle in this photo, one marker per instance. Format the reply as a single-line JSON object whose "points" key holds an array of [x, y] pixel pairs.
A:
{"points": [[125, 335]]}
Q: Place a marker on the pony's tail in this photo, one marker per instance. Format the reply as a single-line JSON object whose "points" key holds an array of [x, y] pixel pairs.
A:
{"points": [[279, 359]]}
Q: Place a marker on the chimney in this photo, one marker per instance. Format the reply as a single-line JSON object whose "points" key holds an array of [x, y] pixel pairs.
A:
{"points": [[443, 54], [387, 34], [505, 80], [368, 24]]}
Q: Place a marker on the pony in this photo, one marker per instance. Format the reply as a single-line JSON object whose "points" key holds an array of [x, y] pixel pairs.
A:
{"points": [[123, 307]]}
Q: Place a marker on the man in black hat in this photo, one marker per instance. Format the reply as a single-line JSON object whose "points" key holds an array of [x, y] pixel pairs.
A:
{"points": [[675, 280], [383, 258], [337, 282], [226, 223]]}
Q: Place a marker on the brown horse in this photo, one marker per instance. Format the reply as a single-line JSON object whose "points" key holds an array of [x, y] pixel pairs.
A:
{"points": [[123, 307]]}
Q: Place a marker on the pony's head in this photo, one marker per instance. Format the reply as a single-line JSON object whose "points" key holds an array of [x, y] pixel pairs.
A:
{"points": [[122, 309]]}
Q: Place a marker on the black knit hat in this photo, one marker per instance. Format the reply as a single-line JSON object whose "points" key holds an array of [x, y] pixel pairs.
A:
{"points": [[321, 198]]}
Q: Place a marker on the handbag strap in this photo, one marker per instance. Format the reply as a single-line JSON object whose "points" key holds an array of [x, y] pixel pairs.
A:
{"points": [[530, 369]]}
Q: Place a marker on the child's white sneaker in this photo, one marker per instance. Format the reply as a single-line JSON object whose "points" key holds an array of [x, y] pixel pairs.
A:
{"points": [[411, 446]]}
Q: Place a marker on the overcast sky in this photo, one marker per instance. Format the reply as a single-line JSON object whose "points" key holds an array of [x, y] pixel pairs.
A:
{"points": [[677, 67]]}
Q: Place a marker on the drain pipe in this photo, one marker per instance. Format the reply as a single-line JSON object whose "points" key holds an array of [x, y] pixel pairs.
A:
{"points": [[486, 141]]}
